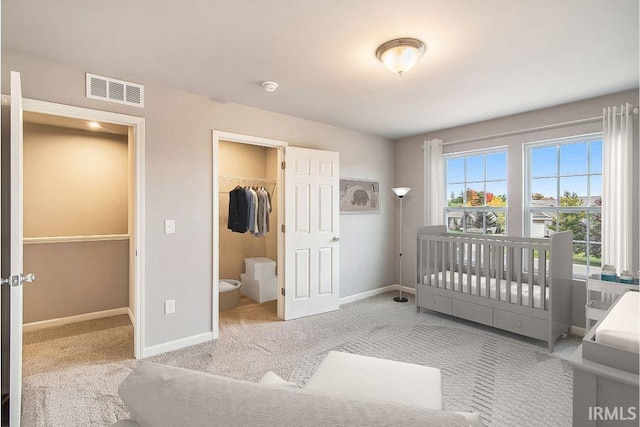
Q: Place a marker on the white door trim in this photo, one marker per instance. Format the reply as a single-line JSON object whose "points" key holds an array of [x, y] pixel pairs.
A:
{"points": [[138, 125], [251, 140]]}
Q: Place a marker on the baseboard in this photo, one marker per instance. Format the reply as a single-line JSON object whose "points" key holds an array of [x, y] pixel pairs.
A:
{"points": [[177, 344], [132, 318], [43, 324], [374, 292], [577, 330]]}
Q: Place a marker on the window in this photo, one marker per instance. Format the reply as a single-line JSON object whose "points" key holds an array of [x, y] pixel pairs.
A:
{"points": [[476, 192], [564, 192]]}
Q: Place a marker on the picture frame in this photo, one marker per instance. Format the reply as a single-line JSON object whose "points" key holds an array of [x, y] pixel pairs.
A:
{"points": [[359, 195]]}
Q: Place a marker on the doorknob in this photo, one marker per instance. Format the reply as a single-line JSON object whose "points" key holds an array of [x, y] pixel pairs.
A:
{"points": [[19, 279], [335, 239], [29, 278]]}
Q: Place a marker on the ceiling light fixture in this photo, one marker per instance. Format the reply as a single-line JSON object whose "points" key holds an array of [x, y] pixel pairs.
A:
{"points": [[94, 125], [400, 55]]}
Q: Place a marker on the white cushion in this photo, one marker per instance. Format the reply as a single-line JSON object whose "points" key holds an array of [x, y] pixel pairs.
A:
{"points": [[272, 380], [355, 377]]}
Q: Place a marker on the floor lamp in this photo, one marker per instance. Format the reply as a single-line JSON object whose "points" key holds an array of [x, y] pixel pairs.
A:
{"points": [[401, 192]]}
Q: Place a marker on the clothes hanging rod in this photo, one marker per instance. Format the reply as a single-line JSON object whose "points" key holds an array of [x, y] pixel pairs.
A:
{"points": [[245, 178], [634, 111]]}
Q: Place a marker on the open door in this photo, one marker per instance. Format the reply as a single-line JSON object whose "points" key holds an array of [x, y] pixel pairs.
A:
{"points": [[12, 277], [312, 232]]}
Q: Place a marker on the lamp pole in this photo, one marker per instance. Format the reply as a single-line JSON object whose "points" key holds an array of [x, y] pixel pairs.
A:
{"points": [[401, 192]]}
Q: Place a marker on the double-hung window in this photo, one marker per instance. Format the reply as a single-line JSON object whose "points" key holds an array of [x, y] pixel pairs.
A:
{"points": [[476, 192], [564, 192]]}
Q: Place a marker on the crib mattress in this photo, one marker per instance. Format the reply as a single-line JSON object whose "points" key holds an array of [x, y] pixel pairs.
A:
{"points": [[504, 288], [621, 327]]}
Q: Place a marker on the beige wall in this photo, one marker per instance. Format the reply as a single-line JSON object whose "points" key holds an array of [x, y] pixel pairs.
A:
{"points": [[240, 160], [178, 186], [75, 182], [75, 278]]}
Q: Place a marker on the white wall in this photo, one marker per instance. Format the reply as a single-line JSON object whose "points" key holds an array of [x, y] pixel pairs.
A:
{"points": [[179, 186], [409, 168]]}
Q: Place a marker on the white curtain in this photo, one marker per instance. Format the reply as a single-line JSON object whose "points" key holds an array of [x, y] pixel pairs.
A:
{"points": [[617, 195], [434, 183]]}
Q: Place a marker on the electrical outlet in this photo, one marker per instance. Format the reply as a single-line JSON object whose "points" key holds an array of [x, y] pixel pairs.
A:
{"points": [[169, 226], [169, 306]]}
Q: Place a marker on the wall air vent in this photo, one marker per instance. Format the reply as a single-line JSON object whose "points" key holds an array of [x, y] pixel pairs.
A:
{"points": [[113, 90]]}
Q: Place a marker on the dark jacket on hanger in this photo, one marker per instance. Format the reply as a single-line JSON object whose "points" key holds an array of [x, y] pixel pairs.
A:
{"points": [[238, 210]]}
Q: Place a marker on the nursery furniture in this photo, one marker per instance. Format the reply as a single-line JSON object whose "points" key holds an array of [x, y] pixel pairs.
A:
{"points": [[518, 284], [600, 295], [605, 368]]}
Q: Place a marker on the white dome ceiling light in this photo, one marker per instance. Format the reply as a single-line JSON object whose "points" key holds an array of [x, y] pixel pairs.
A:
{"points": [[400, 55]]}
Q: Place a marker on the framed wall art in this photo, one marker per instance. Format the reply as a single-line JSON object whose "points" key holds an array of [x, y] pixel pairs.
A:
{"points": [[359, 196]]}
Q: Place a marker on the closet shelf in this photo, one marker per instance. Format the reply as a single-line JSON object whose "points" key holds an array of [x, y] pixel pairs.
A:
{"points": [[228, 183]]}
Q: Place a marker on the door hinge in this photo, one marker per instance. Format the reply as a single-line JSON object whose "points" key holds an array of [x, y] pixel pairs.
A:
{"points": [[284, 165], [282, 291], [282, 228]]}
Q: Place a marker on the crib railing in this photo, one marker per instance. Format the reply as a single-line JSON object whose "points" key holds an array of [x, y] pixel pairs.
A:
{"points": [[499, 260]]}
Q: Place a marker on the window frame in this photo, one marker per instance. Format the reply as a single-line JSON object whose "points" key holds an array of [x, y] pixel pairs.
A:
{"points": [[503, 149], [588, 210]]}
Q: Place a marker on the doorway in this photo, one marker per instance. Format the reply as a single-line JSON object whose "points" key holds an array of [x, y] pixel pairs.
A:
{"points": [[308, 228], [243, 165], [117, 237], [76, 176]]}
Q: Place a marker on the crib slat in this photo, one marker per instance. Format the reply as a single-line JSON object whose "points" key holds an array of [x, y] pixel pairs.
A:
{"points": [[487, 270], [530, 268], [451, 270], [479, 250], [470, 266], [427, 277], [542, 261], [509, 277], [444, 264], [519, 265], [461, 252], [497, 250]]}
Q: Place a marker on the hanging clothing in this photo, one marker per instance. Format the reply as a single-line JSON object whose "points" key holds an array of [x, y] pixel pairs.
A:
{"points": [[264, 209], [238, 210], [252, 206]]}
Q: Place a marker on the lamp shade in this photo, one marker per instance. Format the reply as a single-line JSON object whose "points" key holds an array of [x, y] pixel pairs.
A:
{"points": [[401, 191], [400, 55]]}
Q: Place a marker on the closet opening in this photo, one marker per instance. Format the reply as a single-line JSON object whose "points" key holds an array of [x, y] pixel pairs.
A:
{"points": [[248, 272], [79, 212]]}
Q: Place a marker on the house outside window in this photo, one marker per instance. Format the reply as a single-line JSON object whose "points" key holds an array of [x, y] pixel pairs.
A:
{"points": [[476, 192], [564, 192]]}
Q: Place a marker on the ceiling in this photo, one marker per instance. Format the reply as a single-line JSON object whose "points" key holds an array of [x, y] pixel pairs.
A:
{"points": [[484, 59]]}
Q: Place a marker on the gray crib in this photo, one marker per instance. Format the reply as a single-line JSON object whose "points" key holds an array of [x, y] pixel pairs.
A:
{"points": [[518, 284]]}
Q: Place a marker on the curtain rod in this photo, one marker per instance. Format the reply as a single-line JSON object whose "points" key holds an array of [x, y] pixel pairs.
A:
{"points": [[533, 129]]}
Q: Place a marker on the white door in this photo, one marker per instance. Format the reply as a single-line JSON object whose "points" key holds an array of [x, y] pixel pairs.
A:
{"points": [[12, 276], [312, 232]]}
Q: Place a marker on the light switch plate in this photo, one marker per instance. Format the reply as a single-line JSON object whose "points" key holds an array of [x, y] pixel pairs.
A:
{"points": [[169, 306], [169, 226]]}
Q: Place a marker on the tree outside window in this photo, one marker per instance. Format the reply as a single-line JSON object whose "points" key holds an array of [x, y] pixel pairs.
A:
{"points": [[476, 191], [565, 193]]}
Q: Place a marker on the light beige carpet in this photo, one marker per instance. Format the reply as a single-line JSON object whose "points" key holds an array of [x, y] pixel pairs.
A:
{"points": [[71, 373]]}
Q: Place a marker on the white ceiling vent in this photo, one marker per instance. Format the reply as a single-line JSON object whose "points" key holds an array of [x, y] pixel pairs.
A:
{"points": [[113, 90]]}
